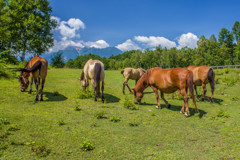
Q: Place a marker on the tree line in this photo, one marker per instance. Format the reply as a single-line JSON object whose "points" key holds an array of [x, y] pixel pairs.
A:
{"points": [[213, 52]]}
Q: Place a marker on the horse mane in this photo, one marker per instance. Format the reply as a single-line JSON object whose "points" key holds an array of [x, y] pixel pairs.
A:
{"points": [[142, 81], [82, 76]]}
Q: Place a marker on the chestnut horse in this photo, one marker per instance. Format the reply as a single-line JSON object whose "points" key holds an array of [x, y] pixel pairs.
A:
{"points": [[131, 73], [36, 68], [201, 76], [93, 70], [167, 81]]}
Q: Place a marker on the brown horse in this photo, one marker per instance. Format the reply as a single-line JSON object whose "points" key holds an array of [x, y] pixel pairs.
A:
{"points": [[93, 70], [201, 76], [36, 68], [167, 81], [131, 73]]}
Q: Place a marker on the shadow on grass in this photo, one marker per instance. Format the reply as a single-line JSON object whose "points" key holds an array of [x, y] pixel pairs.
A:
{"points": [[54, 97], [110, 98], [215, 100], [178, 108]]}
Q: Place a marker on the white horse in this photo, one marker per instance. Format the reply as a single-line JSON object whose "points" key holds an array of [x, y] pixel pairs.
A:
{"points": [[93, 70]]}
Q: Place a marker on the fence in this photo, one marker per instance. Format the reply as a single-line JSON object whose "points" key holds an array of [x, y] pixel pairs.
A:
{"points": [[227, 66]]}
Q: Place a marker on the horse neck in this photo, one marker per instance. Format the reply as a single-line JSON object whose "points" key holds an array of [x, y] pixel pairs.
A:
{"points": [[140, 87]]}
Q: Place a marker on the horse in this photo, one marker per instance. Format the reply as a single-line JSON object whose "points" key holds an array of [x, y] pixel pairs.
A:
{"points": [[201, 76], [131, 73], [93, 70], [167, 81], [36, 68]]}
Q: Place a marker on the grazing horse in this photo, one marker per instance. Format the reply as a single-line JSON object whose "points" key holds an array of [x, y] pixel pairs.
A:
{"points": [[201, 76], [131, 73], [167, 81], [93, 70], [36, 68]]}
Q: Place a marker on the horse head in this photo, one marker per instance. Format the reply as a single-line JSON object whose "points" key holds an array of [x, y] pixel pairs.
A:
{"points": [[84, 81], [137, 96], [24, 82]]}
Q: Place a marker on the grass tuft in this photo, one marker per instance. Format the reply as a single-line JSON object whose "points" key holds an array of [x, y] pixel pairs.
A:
{"points": [[86, 145]]}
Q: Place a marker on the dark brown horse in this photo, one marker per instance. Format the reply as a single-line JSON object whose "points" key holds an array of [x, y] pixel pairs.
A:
{"points": [[36, 68], [201, 76], [167, 81]]}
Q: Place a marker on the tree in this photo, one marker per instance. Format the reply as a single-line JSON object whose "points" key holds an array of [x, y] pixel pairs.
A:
{"points": [[57, 60], [236, 30], [226, 37], [30, 25], [4, 32], [213, 38]]}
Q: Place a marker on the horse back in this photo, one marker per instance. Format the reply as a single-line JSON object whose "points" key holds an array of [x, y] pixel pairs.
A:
{"points": [[200, 74], [93, 66], [43, 69], [169, 80]]}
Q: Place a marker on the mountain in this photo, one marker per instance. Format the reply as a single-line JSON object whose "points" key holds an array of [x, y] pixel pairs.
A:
{"points": [[73, 52]]}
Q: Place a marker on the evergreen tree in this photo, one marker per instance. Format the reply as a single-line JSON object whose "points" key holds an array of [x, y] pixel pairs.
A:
{"points": [[213, 38], [236, 31]]}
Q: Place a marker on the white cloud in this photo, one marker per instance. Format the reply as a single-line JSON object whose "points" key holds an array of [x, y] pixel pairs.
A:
{"points": [[189, 40], [64, 43], [69, 28], [97, 44], [128, 45], [153, 41]]}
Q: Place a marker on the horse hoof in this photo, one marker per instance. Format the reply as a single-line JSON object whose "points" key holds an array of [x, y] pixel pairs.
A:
{"points": [[36, 99], [29, 92], [181, 112], [202, 99], [41, 99], [168, 105], [197, 111], [158, 107], [185, 114]]}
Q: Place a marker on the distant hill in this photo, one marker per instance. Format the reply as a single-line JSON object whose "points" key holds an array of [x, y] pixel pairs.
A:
{"points": [[73, 52]]}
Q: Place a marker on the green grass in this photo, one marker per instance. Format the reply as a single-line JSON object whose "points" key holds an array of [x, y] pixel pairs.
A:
{"points": [[30, 130]]}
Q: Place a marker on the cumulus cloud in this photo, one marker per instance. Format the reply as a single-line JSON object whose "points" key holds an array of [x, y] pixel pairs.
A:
{"points": [[189, 40], [153, 41], [128, 45], [97, 44], [64, 43], [69, 29]]}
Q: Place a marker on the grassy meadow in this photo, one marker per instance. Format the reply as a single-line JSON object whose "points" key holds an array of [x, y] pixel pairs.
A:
{"points": [[64, 126]]}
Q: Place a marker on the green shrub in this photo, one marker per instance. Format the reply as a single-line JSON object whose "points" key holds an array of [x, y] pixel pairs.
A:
{"points": [[86, 145], [4, 121], [226, 70], [219, 71], [77, 108], [115, 119], [230, 79], [40, 150], [223, 114], [82, 94], [100, 115], [57, 60], [61, 123], [129, 104]]}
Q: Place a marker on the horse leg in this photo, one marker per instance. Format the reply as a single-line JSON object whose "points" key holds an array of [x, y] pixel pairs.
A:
{"points": [[36, 85], [124, 84], [212, 91], [185, 102], [157, 96], [30, 91], [162, 96], [102, 91], [129, 88], [195, 88], [41, 90], [204, 91], [95, 89]]}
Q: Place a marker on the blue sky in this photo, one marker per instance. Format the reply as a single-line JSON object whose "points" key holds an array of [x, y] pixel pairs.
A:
{"points": [[140, 24]]}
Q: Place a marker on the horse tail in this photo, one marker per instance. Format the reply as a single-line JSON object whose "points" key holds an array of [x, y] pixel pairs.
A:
{"points": [[122, 71], [37, 65], [211, 77], [190, 86], [98, 70]]}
